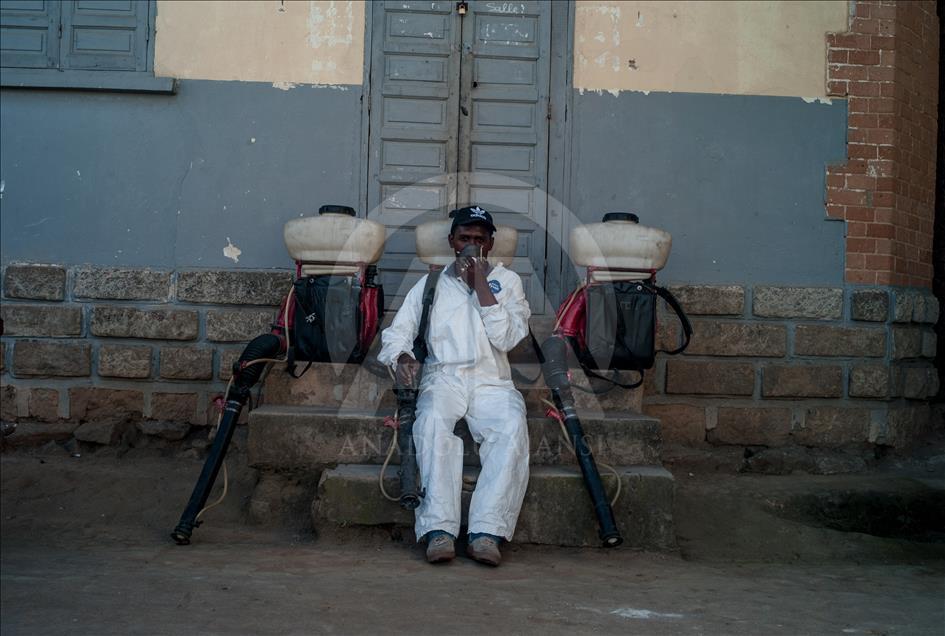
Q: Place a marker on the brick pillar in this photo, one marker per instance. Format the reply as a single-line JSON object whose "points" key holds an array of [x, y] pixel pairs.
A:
{"points": [[886, 66]]}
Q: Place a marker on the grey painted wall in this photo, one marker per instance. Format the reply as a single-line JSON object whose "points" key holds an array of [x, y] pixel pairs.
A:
{"points": [[739, 181], [162, 181]]}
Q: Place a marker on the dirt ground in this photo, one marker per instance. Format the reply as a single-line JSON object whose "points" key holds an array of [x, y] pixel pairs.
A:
{"points": [[85, 550]]}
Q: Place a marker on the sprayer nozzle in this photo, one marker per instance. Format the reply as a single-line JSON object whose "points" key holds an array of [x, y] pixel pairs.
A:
{"points": [[180, 538], [409, 501], [182, 532]]}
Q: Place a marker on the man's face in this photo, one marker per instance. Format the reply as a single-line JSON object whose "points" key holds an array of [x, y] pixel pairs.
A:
{"points": [[475, 234]]}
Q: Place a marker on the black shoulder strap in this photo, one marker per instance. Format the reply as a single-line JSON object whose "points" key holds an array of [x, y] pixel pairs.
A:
{"points": [[683, 319], [612, 381], [429, 292]]}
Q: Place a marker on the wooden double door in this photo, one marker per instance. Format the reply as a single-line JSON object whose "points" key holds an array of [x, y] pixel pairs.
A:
{"points": [[459, 114]]}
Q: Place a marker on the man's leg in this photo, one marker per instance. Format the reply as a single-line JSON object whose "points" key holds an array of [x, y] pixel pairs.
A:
{"points": [[496, 419], [439, 456]]}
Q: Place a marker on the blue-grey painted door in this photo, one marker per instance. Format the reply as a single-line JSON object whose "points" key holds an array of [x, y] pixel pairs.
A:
{"points": [[414, 97], [458, 114], [503, 125]]}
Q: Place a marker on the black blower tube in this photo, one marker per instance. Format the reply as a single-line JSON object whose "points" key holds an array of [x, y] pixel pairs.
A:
{"points": [[406, 413], [264, 346], [554, 367]]}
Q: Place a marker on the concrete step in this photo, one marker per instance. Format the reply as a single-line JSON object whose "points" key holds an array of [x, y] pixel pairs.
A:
{"points": [[294, 438], [351, 386], [556, 510]]}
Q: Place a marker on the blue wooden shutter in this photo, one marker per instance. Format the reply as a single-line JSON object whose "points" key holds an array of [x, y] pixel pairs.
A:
{"points": [[105, 35], [29, 33]]}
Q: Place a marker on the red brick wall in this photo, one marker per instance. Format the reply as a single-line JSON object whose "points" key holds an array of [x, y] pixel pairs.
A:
{"points": [[886, 65]]}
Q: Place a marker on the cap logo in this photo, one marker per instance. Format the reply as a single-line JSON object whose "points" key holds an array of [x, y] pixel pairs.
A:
{"points": [[478, 212]]}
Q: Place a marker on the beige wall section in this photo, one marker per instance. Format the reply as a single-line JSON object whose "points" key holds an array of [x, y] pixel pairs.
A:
{"points": [[291, 42], [748, 48]]}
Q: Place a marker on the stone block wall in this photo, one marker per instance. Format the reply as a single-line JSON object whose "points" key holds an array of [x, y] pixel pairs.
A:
{"points": [[95, 351], [797, 366]]}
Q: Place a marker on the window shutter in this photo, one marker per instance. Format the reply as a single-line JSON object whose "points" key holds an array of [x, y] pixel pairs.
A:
{"points": [[105, 35], [29, 33]]}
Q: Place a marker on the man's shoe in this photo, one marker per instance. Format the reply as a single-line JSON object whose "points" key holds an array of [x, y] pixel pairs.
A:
{"points": [[440, 549], [485, 550]]}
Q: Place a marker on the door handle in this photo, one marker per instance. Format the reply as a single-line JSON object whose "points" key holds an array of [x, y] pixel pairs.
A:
{"points": [[464, 111]]}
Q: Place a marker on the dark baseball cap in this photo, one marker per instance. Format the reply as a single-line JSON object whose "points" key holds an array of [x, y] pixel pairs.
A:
{"points": [[471, 215]]}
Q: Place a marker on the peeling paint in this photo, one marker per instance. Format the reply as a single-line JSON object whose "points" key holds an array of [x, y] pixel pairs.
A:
{"points": [[818, 100], [319, 65], [613, 91], [284, 86], [325, 26], [231, 251]]}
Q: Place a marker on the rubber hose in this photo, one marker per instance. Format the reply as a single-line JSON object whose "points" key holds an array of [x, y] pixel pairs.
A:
{"points": [[265, 346]]}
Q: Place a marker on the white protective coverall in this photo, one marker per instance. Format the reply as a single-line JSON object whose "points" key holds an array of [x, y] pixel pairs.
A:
{"points": [[467, 375]]}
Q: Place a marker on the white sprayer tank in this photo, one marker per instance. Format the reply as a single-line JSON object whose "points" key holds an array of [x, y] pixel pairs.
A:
{"points": [[619, 242], [433, 247], [335, 236]]}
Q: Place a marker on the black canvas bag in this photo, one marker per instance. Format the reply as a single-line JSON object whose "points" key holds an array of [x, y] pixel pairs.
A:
{"points": [[621, 325], [327, 320]]}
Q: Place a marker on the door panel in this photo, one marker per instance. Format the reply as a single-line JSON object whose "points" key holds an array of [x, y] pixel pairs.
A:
{"points": [[459, 116], [503, 149], [413, 128]]}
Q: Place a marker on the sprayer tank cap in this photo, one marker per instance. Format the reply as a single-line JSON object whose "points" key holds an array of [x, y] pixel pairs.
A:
{"points": [[337, 209], [620, 216]]}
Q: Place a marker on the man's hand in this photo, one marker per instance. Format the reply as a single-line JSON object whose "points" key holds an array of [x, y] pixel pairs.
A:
{"points": [[408, 370], [475, 273]]}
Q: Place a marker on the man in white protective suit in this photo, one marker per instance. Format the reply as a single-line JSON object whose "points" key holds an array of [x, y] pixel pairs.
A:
{"points": [[478, 315]]}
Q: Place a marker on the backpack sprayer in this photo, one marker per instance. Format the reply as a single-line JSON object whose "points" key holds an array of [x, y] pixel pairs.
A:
{"points": [[609, 321], [331, 314]]}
